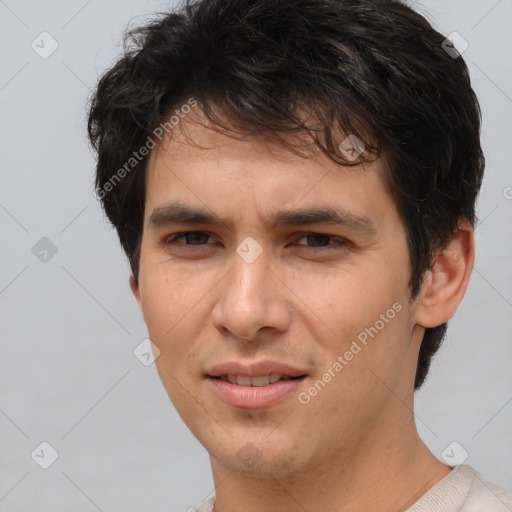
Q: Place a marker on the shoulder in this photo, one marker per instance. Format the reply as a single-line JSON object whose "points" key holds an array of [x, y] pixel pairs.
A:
{"points": [[484, 496], [464, 490]]}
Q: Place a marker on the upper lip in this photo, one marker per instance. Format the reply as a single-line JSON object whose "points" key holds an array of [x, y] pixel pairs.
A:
{"points": [[254, 369]]}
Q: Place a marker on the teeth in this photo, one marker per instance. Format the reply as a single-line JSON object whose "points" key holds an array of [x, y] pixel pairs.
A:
{"points": [[243, 380], [260, 380]]}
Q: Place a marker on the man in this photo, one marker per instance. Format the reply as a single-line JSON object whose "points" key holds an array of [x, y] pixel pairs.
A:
{"points": [[294, 184]]}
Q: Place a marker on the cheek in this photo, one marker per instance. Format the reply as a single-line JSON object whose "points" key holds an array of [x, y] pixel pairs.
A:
{"points": [[351, 299], [171, 302], [366, 309], [167, 295]]}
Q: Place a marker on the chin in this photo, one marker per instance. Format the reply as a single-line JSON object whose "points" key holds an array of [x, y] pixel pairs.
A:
{"points": [[261, 458], [276, 467]]}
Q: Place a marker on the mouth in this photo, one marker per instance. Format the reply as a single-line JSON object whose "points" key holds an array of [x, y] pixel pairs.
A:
{"points": [[255, 386], [257, 381]]}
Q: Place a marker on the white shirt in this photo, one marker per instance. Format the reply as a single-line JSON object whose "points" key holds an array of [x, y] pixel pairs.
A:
{"points": [[462, 490]]}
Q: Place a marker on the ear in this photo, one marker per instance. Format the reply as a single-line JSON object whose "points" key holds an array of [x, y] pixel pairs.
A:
{"points": [[446, 281]]}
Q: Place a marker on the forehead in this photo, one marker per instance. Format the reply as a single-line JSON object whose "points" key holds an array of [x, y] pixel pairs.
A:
{"points": [[200, 166], [194, 133], [194, 137]]}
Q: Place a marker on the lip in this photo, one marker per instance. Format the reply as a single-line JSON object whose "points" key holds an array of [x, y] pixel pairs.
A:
{"points": [[254, 397], [254, 369]]}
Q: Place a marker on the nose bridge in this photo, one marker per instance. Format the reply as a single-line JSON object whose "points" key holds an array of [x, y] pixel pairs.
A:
{"points": [[248, 284], [248, 299]]}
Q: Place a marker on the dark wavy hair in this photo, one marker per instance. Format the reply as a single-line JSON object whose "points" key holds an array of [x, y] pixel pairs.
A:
{"points": [[372, 68]]}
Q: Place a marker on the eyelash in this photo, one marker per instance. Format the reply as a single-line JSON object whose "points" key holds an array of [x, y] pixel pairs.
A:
{"points": [[340, 241]]}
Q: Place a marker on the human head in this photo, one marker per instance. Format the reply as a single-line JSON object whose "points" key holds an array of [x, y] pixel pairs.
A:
{"points": [[372, 68]]}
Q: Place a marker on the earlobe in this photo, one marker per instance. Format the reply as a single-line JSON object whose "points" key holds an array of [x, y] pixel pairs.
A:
{"points": [[446, 282]]}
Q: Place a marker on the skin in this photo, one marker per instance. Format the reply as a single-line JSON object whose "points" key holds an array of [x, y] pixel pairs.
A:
{"points": [[355, 443]]}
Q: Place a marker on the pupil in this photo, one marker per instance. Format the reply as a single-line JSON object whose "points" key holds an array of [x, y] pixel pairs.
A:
{"points": [[195, 236], [325, 238]]}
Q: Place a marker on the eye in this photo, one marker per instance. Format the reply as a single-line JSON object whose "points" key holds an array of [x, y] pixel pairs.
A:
{"points": [[314, 241], [194, 238], [321, 241]]}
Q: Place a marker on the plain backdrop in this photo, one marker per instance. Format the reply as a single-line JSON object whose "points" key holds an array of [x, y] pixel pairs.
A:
{"points": [[69, 324]]}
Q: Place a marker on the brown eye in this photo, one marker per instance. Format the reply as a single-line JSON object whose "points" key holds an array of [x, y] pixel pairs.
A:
{"points": [[189, 238], [192, 237], [320, 240]]}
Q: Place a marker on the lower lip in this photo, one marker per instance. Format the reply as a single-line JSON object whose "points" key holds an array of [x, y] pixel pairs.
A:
{"points": [[254, 397]]}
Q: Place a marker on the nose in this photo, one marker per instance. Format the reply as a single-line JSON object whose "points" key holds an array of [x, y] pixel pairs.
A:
{"points": [[252, 297]]}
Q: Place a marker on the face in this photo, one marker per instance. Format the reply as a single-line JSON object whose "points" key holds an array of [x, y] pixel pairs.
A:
{"points": [[285, 333]]}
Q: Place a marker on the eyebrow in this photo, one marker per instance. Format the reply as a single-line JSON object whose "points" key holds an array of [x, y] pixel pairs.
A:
{"points": [[178, 213]]}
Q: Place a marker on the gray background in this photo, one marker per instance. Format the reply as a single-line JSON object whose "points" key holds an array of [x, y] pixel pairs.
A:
{"points": [[69, 325]]}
